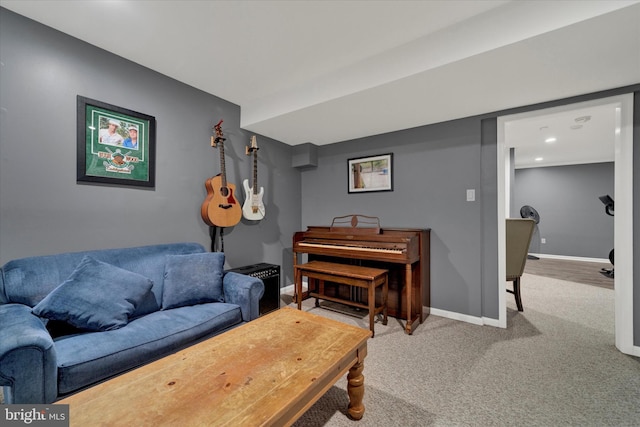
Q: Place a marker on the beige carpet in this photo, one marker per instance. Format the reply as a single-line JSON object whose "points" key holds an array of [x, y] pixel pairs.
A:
{"points": [[555, 365]]}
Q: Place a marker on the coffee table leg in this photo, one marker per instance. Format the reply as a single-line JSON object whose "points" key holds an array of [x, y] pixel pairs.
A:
{"points": [[355, 388]]}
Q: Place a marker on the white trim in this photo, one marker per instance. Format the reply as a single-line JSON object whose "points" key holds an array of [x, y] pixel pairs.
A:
{"points": [[457, 316], [291, 289], [623, 226], [480, 321], [487, 321], [572, 258]]}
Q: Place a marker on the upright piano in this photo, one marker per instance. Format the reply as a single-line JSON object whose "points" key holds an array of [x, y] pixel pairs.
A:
{"points": [[404, 252]]}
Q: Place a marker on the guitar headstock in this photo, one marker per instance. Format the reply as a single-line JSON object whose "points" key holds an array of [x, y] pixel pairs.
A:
{"points": [[254, 146], [219, 137]]}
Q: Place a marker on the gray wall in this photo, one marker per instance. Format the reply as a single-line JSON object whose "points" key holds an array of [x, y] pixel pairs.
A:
{"points": [[572, 218], [42, 208], [433, 168]]}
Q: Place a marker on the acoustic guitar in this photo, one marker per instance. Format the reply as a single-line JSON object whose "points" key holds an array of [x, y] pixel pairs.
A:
{"points": [[220, 207], [253, 207]]}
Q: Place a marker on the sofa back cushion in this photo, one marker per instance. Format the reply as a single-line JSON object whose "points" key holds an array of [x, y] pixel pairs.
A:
{"points": [[28, 280], [193, 279]]}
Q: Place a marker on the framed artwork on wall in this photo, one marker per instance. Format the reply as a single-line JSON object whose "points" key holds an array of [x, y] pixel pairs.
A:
{"points": [[373, 173], [115, 145]]}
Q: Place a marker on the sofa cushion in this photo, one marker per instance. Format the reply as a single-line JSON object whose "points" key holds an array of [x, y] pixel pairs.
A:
{"points": [[192, 279], [97, 296], [86, 358]]}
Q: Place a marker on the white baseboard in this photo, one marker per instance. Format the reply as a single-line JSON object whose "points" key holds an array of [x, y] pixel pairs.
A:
{"points": [[480, 321], [435, 311], [290, 289], [456, 316], [572, 258]]}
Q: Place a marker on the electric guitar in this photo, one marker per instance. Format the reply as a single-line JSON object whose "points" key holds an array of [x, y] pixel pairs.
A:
{"points": [[253, 207], [220, 208]]}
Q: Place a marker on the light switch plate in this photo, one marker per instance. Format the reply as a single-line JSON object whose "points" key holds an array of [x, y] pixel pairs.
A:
{"points": [[471, 195]]}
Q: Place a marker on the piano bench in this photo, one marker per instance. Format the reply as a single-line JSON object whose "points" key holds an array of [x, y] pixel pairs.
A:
{"points": [[352, 275]]}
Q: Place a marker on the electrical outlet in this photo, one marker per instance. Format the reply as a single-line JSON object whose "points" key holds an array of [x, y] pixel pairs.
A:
{"points": [[543, 240]]}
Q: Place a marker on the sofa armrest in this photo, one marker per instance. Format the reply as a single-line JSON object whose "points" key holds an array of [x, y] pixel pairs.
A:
{"points": [[28, 368], [245, 291]]}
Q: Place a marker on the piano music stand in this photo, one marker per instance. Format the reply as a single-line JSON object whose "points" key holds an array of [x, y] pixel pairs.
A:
{"points": [[358, 224]]}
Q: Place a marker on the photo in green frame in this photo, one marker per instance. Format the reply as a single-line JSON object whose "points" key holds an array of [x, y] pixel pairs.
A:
{"points": [[115, 145]]}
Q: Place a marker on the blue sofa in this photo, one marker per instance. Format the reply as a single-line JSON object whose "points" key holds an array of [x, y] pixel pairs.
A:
{"points": [[71, 320]]}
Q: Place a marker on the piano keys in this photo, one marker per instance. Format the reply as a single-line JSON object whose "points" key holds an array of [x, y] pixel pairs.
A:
{"points": [[405, 252]]}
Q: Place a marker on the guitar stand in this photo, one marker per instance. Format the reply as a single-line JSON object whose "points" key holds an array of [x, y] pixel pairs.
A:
{"points": [[212, 233]]}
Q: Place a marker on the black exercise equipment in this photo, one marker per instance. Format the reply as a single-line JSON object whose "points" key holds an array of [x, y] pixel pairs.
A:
{"points": [[609, 209], [529, 212]]}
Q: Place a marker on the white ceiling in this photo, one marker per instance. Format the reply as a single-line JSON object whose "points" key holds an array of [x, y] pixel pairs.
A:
{"points": [[576, 134], [330, 71]]}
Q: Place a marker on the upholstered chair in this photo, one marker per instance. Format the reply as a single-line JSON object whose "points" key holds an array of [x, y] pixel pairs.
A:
{"points": [[519, 232]]}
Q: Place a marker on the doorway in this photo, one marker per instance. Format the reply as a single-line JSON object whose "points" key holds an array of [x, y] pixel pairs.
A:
{"points": [[623, 220]]}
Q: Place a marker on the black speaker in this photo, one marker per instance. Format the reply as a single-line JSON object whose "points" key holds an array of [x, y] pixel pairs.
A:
{"points": [[270, 275]]}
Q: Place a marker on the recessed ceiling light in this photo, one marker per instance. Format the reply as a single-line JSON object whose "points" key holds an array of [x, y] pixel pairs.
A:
{"points": [[576, 127], [550, 140], [582, 119], [539, 159]]}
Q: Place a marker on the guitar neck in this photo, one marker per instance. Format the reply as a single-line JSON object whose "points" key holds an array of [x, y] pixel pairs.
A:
{"points": [[223, 172], [255, 171]]}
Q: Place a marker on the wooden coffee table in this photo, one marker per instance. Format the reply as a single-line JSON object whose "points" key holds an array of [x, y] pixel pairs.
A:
{"points": [[266, 372]]}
